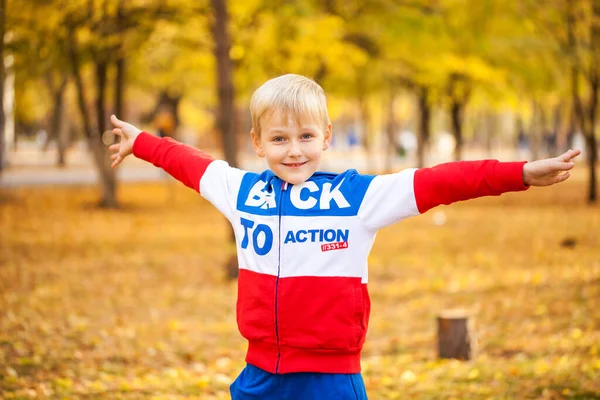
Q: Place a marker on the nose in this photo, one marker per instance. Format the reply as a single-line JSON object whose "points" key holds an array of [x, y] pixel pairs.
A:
{"points": [[294, 149]]}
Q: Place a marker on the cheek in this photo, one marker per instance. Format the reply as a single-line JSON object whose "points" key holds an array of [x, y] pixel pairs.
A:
{"points": [[316, 150], [274, 153]]}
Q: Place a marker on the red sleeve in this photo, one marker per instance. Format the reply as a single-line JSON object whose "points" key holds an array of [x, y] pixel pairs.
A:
{"points": [[185, 163], [463, 180]]}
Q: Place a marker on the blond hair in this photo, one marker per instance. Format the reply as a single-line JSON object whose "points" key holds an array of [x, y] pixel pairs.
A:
{"points": [[294, 95]]}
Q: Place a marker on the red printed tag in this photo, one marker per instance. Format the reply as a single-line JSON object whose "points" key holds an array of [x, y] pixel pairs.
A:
{"points": [[334, 246]]}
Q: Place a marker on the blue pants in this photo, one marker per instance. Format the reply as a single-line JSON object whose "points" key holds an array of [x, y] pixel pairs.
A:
{"points": [[257, 384]]}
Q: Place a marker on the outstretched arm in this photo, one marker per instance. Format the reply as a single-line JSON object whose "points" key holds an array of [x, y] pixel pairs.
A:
{"points": [[452, 182], [185, 163]]}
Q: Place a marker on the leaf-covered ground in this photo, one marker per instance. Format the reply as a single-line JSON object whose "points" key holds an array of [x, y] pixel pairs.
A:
{"points": [[132, 304]]}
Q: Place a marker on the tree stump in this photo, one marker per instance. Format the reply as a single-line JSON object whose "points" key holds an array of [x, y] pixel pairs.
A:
{"points": [[456, 335]]}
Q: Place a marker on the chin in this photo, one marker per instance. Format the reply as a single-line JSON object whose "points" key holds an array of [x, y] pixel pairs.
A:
{"points": [[296, 180]]}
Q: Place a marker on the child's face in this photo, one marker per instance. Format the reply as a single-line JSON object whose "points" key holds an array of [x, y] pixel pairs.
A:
{"points": [[292, 146]]}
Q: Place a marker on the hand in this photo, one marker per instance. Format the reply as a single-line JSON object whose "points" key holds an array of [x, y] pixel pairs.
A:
{"points": [[549, 171], [128, 133]]}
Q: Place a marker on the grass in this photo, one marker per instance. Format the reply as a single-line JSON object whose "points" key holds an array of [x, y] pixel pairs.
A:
{"points": [[133, 304]]}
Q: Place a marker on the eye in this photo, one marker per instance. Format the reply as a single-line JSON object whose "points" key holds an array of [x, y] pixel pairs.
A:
{"points": [[307, 135], [277, 139]]}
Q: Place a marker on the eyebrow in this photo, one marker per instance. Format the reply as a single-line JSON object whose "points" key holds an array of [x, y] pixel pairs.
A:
{"points": [[283, 130], [277, 130]]}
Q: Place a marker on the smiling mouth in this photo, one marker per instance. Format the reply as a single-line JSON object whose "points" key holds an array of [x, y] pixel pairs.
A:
{"points": [[295, 165]]}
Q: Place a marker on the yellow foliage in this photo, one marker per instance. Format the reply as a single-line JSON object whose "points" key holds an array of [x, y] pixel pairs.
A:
{"points": [[143, 310], [473, 374]]}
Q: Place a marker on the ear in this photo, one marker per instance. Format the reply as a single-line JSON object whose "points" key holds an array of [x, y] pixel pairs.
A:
{"points": [[327, 137], [256, 145]]}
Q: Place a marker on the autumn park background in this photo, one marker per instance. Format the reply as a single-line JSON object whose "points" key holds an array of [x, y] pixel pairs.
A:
{"points": [[121, 284]]}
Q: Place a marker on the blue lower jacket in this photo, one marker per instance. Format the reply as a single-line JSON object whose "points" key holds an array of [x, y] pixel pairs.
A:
{"points": [[257, 384]]}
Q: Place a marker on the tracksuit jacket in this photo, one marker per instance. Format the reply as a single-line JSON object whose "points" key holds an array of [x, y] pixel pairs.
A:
{"points": [[303, 303]]}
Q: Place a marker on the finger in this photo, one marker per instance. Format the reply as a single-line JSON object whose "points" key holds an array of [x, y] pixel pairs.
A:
{"points": [[568, 155], [119, 134], [116, 162], [564, 166], [114, 156], [564, 157], [117, 123], [114, 147], [563, 177]]}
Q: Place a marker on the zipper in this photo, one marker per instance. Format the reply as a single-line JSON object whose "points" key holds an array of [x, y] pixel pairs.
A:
{"points": [[284, 186]]}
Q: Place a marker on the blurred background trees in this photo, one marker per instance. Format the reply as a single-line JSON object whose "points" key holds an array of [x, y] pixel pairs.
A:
{"points": [[486, 75]]}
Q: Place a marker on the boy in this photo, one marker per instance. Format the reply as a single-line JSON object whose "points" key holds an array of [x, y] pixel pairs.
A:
{"points": [[303, 236]]}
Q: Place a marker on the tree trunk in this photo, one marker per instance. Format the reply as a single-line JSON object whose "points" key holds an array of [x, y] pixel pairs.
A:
{"points": [[590, 136], [365, 118], [594, 81], [108, 182], [365, 124], [226, 114], [232, 269], [592, 160], [424, 126], [2, 77], [81, 97], [586, 121], [391, 128], [120, 88], [538, 122], [321, 73], [459, 90], [101, 68], [99, 149], [120, 69], [56, 123], [64, 137], [94, 138], [557, 131], [456, 114], [491, 122]]}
